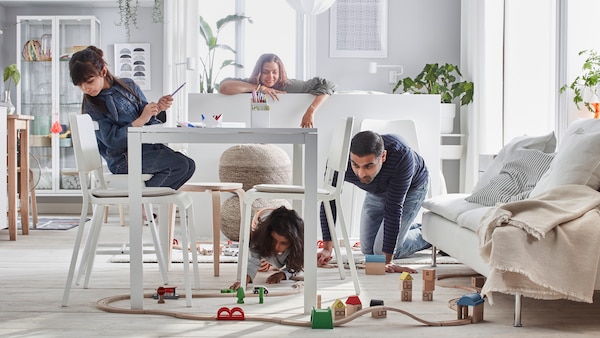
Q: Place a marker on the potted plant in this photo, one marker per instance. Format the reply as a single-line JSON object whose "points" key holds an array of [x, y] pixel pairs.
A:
{"points": [[11, 73], [208, 79], [128, 14], [587, 84], [445, 80]]}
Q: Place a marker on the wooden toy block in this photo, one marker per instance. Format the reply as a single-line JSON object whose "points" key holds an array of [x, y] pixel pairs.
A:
{"points": [[473, 300], [353, 304], [477, 282], [375, 264], [407, 285], [339, 309], [428, 285], [427, 296], [429, 274], [406, 296], [379, 313]]}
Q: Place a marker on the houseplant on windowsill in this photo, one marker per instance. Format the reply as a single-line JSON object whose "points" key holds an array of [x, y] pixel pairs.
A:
{"points": [[586, 86], [11, 73], [445, 80], [208, 78]]}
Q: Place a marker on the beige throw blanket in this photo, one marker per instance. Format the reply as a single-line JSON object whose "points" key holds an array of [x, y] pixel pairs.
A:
{"points": [[551, 248]]}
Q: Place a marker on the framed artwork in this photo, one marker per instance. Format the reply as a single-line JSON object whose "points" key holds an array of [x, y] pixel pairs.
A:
{"points": [[132, 60], [358, 29]]}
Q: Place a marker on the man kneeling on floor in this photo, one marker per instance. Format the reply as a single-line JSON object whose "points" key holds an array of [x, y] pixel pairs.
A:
{"points": [[396, 181]]}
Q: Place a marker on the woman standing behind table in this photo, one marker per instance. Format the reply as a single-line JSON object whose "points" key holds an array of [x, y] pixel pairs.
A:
{"points": [[117, 104], [269, 76]]}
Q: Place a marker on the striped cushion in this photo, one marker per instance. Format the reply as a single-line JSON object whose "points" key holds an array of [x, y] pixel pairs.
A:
{"points": [[516, 179]]}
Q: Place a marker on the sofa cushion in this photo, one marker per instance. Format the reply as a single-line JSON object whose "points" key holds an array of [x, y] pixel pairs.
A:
{"points": [[544, 143], [576, 162], [471, 219], [449, 206], [521, 171]]}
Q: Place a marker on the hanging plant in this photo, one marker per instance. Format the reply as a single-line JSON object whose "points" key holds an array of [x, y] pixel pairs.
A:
{"points": [[128, 14]]}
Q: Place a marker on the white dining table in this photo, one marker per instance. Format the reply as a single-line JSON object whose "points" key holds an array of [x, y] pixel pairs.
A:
{"points": [[304, 141]]}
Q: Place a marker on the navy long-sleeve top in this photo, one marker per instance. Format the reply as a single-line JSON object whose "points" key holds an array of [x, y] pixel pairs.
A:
{"points": [[122, 108], [402, 169]]}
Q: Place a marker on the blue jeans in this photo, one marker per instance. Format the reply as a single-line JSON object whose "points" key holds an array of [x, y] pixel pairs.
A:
{"points": [[169, 168], [409, 238]]}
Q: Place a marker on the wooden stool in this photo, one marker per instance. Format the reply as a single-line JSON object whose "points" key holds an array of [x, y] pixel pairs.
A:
{"points": [[215, 188]]}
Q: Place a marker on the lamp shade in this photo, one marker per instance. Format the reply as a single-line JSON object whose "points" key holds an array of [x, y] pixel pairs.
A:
{"points": [[311, 7]]}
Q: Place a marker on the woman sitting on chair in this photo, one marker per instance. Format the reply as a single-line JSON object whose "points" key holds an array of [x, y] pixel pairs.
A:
{"points": [[117, 104]]}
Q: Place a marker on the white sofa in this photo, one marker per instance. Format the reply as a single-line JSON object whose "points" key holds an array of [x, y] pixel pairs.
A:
{"points": [[450, 223]]}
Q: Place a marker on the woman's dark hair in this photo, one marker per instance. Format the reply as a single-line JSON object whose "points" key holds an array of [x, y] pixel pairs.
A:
{"points": [[284, 222], [88, 63], [255, 76], [367, 143]]}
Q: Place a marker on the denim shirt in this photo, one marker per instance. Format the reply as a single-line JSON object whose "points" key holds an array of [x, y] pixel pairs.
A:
{"points": [[122, 109]]}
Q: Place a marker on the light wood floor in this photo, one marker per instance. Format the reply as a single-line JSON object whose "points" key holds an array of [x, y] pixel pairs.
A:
{"points": [[33, 271]]}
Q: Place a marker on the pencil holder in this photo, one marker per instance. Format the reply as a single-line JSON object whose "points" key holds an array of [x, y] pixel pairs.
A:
{"points": [[260, 115]]}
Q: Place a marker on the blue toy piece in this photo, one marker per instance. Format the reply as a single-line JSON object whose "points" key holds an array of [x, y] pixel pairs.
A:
{"points": [[471, 299], [374, 259]]}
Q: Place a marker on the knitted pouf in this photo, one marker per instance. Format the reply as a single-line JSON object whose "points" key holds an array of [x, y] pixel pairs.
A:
{"points": [[251, 164], [230, 214]]}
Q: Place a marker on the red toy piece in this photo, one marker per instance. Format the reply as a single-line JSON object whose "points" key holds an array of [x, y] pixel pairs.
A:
{"points": [[235, 313]]}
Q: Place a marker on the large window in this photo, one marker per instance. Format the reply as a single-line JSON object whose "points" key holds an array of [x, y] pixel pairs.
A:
{"points": [[273, 31]]}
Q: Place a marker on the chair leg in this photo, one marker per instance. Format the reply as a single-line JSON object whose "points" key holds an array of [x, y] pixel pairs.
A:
{"points": [[186, 257], [76, 246], [162, 265], [33, 201], [85, 256], [216, 214], [105, 218], [191, 224], [348, 246], [334, 239], [244, 240], [122, 215], [91, 252], [433, 256]]}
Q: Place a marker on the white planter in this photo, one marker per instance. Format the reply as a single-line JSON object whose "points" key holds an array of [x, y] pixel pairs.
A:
{"points": [[447, 113]]}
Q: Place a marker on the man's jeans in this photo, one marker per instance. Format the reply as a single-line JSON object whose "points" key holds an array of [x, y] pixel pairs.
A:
{"points": [[409, 238]]}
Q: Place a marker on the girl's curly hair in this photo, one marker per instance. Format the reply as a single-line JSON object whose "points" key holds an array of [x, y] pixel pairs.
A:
{"points": [[285, 222]]}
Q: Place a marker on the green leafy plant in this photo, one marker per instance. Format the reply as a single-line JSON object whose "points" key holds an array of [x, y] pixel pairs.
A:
{"points": [[128, 14], [11, 73], [589, 80], [208, 82], [445, 80]]}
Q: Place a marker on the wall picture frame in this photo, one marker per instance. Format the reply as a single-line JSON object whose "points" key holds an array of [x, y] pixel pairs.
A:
{"points": [[132, 60], [358, 29]]}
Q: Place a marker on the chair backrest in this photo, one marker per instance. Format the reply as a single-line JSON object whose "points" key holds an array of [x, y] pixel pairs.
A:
{"points": [[404, 128], [337, 160], [85, 145]]}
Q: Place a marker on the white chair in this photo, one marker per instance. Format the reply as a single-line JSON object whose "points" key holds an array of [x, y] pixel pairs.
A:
{"points": [[337, 161], [98, 194]]}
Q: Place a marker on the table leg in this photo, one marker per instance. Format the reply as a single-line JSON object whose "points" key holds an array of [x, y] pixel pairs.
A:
{"points": [[24, 179], [136, 269], [12, 179], [311, 221]]}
